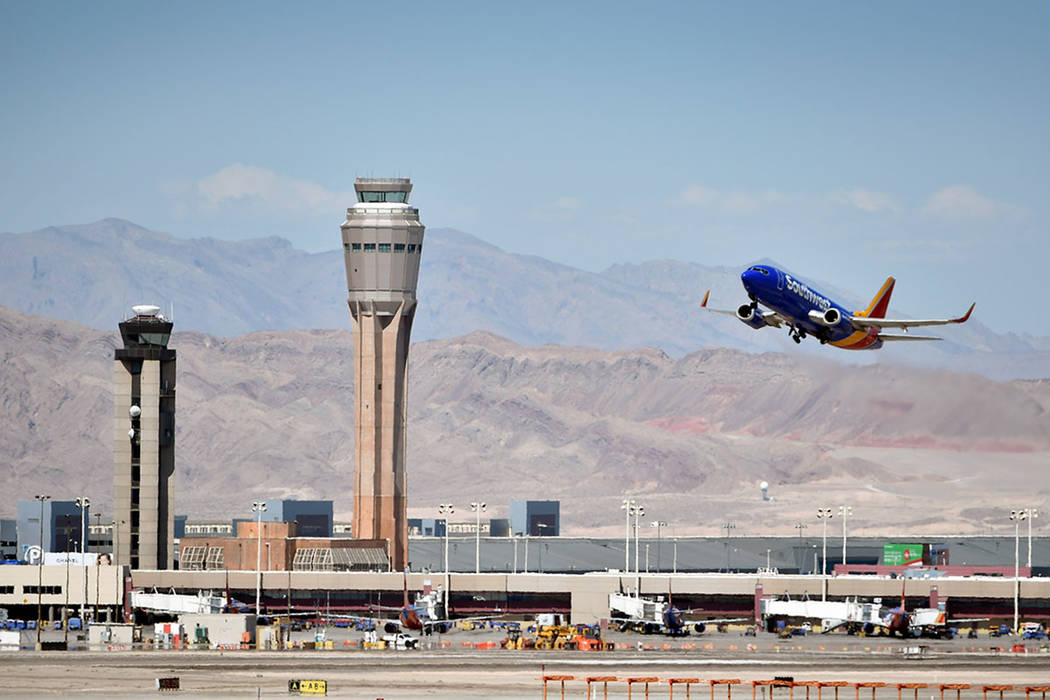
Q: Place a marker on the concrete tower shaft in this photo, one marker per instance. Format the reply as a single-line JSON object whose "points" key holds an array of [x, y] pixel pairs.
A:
{"points": [[382, 246]]}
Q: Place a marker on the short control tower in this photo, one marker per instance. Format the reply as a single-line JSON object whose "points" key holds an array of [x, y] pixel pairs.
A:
{"points": [[382, 245], [144, 452]]}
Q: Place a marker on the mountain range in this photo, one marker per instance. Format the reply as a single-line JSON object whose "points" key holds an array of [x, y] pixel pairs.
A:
{"points": [[93, 273]]}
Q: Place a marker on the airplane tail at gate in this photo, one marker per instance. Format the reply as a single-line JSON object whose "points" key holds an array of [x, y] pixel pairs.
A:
{"points": [[881, 303]]}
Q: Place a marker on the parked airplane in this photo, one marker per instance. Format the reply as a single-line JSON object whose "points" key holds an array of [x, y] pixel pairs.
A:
{"points": [[426, 615], [648, 616], [805, 311]]}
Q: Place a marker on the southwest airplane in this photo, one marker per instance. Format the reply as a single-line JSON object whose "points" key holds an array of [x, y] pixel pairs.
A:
{"points": [[805, 311]]}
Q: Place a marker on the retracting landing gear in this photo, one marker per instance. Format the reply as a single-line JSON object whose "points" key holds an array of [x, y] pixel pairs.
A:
{"points": [[796, 333]]}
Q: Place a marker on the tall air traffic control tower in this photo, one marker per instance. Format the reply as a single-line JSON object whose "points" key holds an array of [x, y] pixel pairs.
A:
{"points": [[144, 450], [382, 244]]}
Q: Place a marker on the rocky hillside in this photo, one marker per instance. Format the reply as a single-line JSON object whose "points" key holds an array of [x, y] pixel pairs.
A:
{"points": [[269, 414]]}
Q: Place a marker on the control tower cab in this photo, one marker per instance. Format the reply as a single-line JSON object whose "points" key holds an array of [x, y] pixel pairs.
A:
{"points": [[382, 245]]}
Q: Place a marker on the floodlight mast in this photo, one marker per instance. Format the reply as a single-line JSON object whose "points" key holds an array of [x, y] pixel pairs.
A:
{"points": [[824, 514]]}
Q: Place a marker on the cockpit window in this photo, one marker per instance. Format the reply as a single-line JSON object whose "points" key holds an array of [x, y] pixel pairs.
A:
{"points": [[760, 269]]}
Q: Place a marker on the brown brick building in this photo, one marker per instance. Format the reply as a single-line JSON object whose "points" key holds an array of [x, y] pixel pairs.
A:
{"points": [[276, 548]]}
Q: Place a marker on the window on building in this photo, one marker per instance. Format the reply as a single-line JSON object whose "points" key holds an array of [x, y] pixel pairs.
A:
{"points": [[370, 247], [45, 590], [7, 590], [346, 247], [192, 558], [411, 247], [382, 196], [215, 559], [384, 247], [356, 247], [399, 247]]}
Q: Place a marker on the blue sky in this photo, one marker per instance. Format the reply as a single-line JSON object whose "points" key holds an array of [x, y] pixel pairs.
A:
{"points": [[848, 141]]}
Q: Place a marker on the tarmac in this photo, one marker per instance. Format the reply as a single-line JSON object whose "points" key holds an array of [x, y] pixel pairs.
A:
{"points": [[454, 667]]}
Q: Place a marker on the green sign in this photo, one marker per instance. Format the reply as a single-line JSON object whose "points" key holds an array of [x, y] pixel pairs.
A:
{"points": [[895, 554]]}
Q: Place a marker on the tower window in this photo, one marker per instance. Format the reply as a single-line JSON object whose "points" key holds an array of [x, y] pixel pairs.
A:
{"points": [[411, 247], [382, 196], [399, 247], [356, 247], [384, 247], [370, 247], [346, 247]]}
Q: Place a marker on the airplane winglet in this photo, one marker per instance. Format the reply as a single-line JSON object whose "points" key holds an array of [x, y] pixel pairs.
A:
{"points": [[965, 317], [703, 304]]}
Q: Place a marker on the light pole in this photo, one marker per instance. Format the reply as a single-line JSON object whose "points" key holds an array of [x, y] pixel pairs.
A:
{"points": [[1017, 516], [800, 526], [637, 511], [824, 514], [446, 509], [267, 556], [258, 507], [626, 506], [675, 564], [658, 524], [845, 512], [98, 561], [728, 527], [1030, 514], [478, 508], [540, 528], [40, 569], [525, 568], [83, 504], [65, 609]]}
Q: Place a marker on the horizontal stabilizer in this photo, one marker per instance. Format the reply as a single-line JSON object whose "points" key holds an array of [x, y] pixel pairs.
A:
{"points": [[883, 336]]}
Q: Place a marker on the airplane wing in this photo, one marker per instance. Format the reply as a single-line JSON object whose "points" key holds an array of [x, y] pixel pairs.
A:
{"points": [[772, 318], [703, 305], [863, 322]]}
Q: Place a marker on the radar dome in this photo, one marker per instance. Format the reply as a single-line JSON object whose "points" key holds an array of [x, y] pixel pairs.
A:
{"points": [[146, 310], [764, 485], [135, 411]]}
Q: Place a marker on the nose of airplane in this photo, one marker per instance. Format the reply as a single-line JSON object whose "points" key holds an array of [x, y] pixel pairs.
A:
{"points": [[750, 278]]}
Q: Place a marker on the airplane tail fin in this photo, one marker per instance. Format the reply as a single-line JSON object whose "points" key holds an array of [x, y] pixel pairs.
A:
{"points": [[881, 303]]}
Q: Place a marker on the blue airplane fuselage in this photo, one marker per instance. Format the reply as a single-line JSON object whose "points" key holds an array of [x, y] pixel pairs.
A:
{"points": [[803, 307]]}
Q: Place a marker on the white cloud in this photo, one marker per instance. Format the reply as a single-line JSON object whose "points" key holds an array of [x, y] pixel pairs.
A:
{"points": [[866, 200], [239, 182], [561, 209], [731, 200], [963, 202]]}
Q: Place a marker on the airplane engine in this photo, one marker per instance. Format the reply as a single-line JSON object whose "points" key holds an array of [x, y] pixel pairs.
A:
{"points": [[829, 318], [746, 313]]}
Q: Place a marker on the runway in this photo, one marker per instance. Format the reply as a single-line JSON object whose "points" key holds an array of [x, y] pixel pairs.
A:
{"points": [[492, 673]]}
